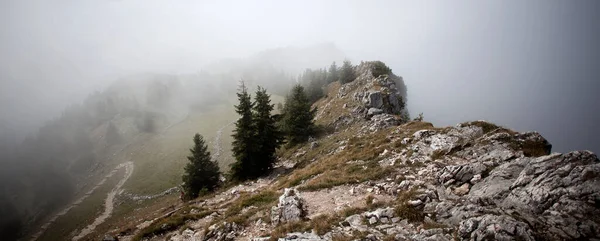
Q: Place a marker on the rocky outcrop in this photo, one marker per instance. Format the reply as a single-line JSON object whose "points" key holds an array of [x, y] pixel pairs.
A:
{"points": [[559, 193], [291, 207], [381, 96], [222, 232], [494, 227], [472, 181]]}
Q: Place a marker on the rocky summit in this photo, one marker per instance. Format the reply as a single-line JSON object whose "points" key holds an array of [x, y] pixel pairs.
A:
{"points": [[372, 174]]}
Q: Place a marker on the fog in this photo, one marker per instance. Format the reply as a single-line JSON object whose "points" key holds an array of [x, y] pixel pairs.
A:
{"points": [[529, 66]]}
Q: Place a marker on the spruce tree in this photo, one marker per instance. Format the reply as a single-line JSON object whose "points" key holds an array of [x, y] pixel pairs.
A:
{"points": [[201, 174], [298, 116], [347, 72], [243, 138], [333, 74], [268, 138]]}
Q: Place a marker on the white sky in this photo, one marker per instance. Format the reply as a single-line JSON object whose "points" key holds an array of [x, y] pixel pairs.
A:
{"points": [[529, 65]]}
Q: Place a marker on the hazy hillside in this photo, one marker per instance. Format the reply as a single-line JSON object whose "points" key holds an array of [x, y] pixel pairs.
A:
{"points": [[147, 119], [372, 174]]}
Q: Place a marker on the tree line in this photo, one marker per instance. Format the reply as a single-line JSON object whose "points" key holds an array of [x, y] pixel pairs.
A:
{"points": [[257, 135]]}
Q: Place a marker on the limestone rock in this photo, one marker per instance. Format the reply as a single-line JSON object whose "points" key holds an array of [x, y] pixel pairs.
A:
{"points": [[560, 192], [302, 236], [223, 232], [291, 207], [494, 227], [374, 111]]}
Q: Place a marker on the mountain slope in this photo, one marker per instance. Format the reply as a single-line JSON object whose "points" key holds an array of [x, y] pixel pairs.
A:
{"points": [[372, 175]]}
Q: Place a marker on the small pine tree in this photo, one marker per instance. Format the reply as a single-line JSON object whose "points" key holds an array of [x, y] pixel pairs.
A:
{"points": [[201, 174], [347, 74], [243, 138], [298, 116], [333, 74], [268, 138]]}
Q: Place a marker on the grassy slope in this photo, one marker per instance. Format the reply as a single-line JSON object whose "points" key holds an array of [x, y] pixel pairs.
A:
{"points": [[83, 214], [159, 160]]}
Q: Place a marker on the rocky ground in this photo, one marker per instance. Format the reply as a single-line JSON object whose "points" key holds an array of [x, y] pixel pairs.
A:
{"points": [[374, 176]]}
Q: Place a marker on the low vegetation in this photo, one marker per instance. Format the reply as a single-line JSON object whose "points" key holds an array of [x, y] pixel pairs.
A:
{"points": [[281, 230], [170, 223], [261, 201], [404, 210], [379, 68]]}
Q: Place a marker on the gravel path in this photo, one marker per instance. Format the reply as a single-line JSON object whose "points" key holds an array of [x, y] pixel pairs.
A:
{"points": [[217, 148], [128, 170], [109, 201]]}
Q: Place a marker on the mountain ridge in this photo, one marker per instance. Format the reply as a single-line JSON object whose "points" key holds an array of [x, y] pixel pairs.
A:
{"points": [[376, 175]]}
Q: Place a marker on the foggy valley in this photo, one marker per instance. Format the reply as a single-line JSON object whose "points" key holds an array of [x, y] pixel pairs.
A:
{"points": [[101, 97]]}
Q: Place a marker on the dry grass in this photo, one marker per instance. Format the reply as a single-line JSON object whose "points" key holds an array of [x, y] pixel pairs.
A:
{"points": [[281, 230], [407, 211], [324, 223], [170, 223], [352, 210], [433, 225], [335, 170], [262, 201], [354, 173], [356, 235]]}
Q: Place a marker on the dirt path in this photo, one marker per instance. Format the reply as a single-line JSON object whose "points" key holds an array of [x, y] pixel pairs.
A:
{"points": [[217, 148], [128, 170], [109, 202]]}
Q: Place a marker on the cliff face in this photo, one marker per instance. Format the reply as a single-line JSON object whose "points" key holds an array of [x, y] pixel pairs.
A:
{"points": [[371, 175]]}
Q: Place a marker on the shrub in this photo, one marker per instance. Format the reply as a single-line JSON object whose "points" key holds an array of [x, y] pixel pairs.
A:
{"points": [[347, 73], [379, 68]]}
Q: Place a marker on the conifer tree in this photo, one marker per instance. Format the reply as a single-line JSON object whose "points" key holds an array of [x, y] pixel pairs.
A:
{"points": [[298, 116], [243, 138], [268, 138], [333, 74], [201, 174], [347, 74]]}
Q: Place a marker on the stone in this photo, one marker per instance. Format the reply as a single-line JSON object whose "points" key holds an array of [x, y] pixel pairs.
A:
{"points": [[476, 178], [415, 202], [109, 238], [373, 99], [354, 220], [462, 190], [555, 192], [374, 111], [291, 207], [373, 220], [223, 232], [494, 227], [302, 236], [380, 213]]}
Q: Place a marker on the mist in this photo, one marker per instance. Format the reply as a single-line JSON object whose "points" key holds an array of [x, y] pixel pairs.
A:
{"points": [[528, 66]]}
